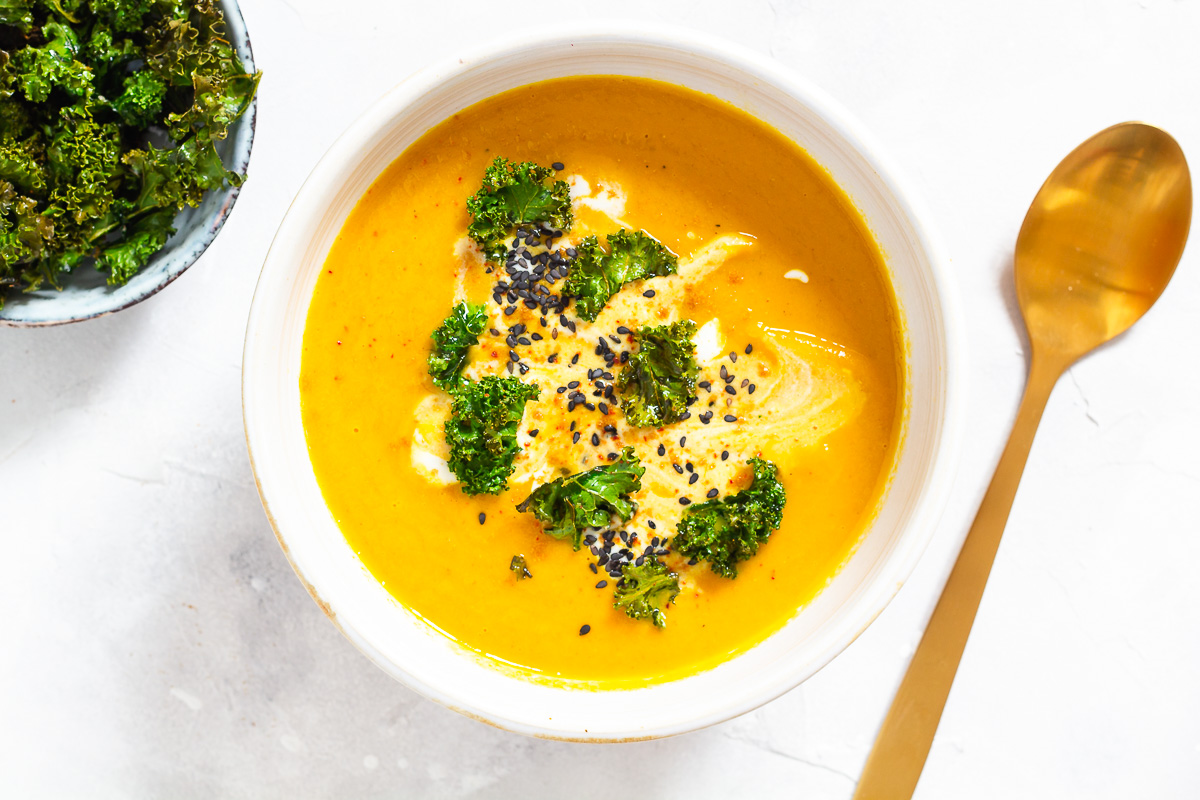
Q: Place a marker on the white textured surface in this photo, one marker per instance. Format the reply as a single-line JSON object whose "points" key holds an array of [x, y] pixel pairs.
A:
{"points": [[155, 642]]}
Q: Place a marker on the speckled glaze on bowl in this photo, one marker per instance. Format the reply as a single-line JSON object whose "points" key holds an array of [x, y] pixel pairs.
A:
{"points": [[85, 294], [396, 638]]}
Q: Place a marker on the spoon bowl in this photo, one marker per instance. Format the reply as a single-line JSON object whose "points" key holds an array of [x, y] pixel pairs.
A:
{"points": [[1102, 238]]}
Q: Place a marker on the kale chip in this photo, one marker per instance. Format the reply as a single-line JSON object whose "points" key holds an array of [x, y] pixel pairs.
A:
{"points": [[567, 505], [596, 275], [724, 531], [659, 379], [482, 431], [513, 195]]}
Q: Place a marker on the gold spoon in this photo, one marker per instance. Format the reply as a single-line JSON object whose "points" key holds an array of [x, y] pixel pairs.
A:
{"points": [[1097, 248]]}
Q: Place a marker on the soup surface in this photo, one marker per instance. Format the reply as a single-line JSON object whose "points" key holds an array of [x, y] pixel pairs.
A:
{"points": [[791, 298]]}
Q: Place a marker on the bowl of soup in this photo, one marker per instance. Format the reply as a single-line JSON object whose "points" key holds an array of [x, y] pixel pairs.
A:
{"points": [[602, 385]]}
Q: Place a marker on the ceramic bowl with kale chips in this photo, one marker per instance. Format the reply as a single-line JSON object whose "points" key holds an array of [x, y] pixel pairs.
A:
{"points": [[125, 135]]}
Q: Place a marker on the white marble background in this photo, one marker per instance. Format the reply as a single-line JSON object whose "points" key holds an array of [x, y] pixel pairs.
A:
{"points": [[155, 643]]}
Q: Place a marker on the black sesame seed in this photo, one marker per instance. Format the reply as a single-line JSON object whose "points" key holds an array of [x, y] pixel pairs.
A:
{"points": [[603, 559], [573, 385], [683, 441], [695, 477], [585, 630], [685, 415], [537, 337], [730, 390], [749, 349], [552, 358], [724, 372], [509, 365], [640, 560], [724, 455], [650, 524], [534, 432], [693, 562], [508, 311], [684, 501], [648, 293], [678, 468], [662, 450], [601, 584], [493, 332], [745, 382], [603, 408], [575, 438], [575, 360], [595, 440], [751, 388], [560, 389], [623, 329], [733, 357], [590, 406], [557, 166], [730, 418], [524, 367], [711, 493], [688, 466], [525, 340], [705, 385], [482, 517], [592, 567], [572, 425]]}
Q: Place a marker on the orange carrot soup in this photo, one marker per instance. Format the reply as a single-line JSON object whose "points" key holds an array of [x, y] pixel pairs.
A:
{"points": [[604, 379]]}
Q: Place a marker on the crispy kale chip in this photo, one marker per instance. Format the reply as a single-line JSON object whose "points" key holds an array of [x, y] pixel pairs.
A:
{"points": [[482, 431], [727, 530], [452, 341], [513, 195], [39, 70], [568, 505], [140, 103], [643, 591], [659, 380], [519, 567], [110, 113], [597, 275], [17, 13]]}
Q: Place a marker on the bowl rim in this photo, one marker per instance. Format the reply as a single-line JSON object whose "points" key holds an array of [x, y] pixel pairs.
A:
{"points": [[240, 37], [920, 527]]}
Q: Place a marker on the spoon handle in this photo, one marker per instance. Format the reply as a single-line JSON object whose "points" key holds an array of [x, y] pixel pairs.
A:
{"points": [[903, 742]]}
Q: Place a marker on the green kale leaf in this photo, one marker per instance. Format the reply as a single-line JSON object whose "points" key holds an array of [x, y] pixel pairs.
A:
{"points": [[482, 431], [17, 13], [125, 16], [659, 379], [142, 240], [595, 275], [21, 163], [24, 234], [724, 531], [40, 69], [513, 195], [643, 591], [452, 341], [141, 102], [568, 505], [520, 568]]}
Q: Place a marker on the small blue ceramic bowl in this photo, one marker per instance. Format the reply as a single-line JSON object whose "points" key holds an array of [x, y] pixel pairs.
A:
{"points": [[86, 295]]}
